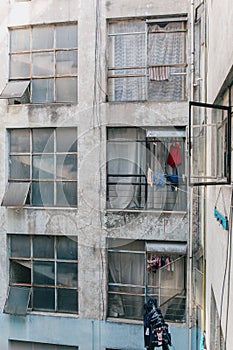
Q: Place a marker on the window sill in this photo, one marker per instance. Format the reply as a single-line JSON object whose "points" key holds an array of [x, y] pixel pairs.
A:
{"points": [[154, 211], [41, 208], [123, 320], [53, 314], [45, 104]]}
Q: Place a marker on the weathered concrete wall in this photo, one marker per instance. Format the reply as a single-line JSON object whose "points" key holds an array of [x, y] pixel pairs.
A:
{"points": [[89, 222]]}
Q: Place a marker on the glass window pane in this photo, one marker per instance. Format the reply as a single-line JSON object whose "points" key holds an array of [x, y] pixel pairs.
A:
{"points": [[66, 139], [17, 301], [42, 64], [20, 66], [43, 273], [66, 194], [42, 90], [43, 140], [43, 167], [20, 246], [43, 247], [127, 89], [42, 38], [67, 248], [20, 140], [67, 167], [67, 274], [16, 194], [44, 299], [20, 271], [66, 36], [43, 194], [66, 90], [20, 40], [67, 300], [66, 62], [19, 167]]}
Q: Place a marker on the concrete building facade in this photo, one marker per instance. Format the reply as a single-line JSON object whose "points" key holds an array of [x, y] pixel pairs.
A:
{"points": [[95, 204]]}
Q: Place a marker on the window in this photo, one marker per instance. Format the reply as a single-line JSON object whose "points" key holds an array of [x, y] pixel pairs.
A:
{"points": [[22, 345], [47, 267], [139, 270], [146, 169], [147, 60], [42, 167], [45, 59], [209, 134]]}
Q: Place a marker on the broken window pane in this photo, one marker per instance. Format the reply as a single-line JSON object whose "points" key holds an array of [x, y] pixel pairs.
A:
{"points": [[20, 271], [17, 301], [43, 273], [19, 167], [66, 248]]}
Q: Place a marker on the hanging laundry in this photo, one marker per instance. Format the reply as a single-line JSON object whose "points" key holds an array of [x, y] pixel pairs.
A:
{"points": [[159, 180], [174, 158], [150, 177], [159, 73]]}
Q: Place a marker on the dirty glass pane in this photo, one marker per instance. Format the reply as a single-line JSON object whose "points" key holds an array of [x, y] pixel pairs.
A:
{"points": [[42, 38], [67, 194], [67, 274], [20, 40], [20, 140], [67, 248], [42, 90], [43, 273], [17, 301], [66, 139], [16, 194], [20, 271], [19, 167], [43, 247], [66, 90], [43, 167], [20, 246], [42, 64], [67, 300], [43, 140], [66, 36], [66, 62], [20, 66], [43, 299], [126, 27], [43, 194], [66, 167]]}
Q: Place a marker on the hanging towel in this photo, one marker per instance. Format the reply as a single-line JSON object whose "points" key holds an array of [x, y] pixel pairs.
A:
{"points": [[159, 73], [150, 176], [159, 180], [174, 157]]}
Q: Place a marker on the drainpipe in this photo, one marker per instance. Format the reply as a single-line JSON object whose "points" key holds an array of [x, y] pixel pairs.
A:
{"points": [[190, 282]]}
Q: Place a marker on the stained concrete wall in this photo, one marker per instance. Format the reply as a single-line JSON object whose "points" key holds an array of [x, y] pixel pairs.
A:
{"points": [[89, 222]]}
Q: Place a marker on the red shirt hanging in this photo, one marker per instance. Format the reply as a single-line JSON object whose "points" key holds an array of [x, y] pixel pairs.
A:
{"points": [[174, 157]]}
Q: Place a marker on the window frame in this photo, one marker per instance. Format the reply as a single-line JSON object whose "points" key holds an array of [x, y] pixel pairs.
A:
{"points": [[26, 198], [145, 68], [54, 77], [30, 286]]}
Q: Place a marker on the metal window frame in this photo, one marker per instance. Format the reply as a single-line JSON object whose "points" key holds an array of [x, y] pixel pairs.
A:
{"points": [[228, 159]]}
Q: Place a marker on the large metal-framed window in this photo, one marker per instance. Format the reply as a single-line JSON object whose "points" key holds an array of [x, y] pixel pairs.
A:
{"points": [[47, 266], [42, 167], [139, 270], [147, 60], [45, 58], [146, 169], [209, 144]]}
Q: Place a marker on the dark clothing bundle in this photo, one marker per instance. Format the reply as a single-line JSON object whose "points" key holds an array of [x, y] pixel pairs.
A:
{"points": [[156, 333]]}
